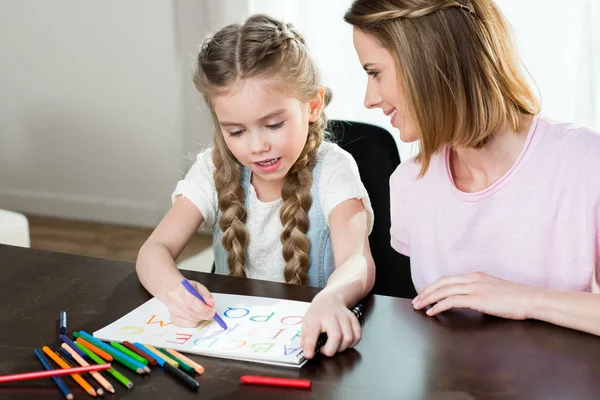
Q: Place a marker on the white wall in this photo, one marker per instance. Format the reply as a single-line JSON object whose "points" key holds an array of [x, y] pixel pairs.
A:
{"points": [[90, 108], [99, 117]]}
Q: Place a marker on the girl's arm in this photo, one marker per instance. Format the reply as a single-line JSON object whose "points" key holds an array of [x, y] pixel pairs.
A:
{"points": [[352, 280], [494, 296], [354, 274], [158, 272]]}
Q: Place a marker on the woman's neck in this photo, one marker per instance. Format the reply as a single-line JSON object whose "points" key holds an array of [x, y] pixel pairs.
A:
{"points": [[474, 170]]}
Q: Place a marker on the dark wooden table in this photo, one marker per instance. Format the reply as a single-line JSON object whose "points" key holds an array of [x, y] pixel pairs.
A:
{"points": [[403, 355]]}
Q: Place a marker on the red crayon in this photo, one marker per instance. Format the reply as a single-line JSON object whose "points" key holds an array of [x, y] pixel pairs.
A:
{"points": [[270, 381]]}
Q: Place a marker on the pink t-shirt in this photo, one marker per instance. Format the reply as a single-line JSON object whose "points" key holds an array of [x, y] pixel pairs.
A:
{"points": [[538, 225]]}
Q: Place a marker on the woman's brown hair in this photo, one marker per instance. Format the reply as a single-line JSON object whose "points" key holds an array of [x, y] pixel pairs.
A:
{"points": [[262, 47], [458, 64]]}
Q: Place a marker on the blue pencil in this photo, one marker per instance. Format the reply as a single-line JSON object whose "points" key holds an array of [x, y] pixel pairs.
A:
{"points": [[193, 291], [59, 383], [143, 348], [69, 343], [63, 322]]}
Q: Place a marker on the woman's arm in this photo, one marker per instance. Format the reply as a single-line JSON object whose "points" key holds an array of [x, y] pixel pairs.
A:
{"points": [[352, 280], [573, 310], [158, 272], [494, 296]]}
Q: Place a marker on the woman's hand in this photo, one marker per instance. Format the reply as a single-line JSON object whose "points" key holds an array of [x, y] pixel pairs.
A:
{"points": [[480, 292], [187, 310], [328, 314]]}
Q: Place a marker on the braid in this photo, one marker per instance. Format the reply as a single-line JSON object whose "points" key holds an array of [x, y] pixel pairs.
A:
{"points": [[231, 203], [294, 211], [417, 12]]}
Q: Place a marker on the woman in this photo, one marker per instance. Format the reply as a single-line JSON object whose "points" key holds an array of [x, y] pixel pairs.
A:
{"points": [[500, 209]]}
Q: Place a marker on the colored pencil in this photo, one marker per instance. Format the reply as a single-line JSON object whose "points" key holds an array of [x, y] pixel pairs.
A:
{"points": [[76, 377], [68, 341], [128, 352], [197, 367], [159, 360], [183, 366], [101, 380], [116, 374], [182, 376], [86, 375], [48, 374], [57, 381], [62, 322], [93, 348], [117, 355], [188, 286], [151, 360], [161, 355]]}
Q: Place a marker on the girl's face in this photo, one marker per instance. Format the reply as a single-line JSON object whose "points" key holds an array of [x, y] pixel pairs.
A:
{"points": [[384, 90], [265, 129]]}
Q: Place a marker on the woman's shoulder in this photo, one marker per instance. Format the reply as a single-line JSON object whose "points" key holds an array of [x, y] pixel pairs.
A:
{"points": [[570, 138], [407, 173]]}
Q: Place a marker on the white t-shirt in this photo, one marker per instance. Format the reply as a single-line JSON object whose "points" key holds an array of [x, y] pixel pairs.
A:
{"points": [[339, 181]]}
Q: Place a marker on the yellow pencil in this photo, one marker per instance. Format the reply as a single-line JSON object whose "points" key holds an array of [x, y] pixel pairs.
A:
{"points": [[76, 377], [197, 367], [162, 356], [101, 380]]}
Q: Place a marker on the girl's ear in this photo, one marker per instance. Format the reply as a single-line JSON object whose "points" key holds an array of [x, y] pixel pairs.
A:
{"points": [[316, 105]]}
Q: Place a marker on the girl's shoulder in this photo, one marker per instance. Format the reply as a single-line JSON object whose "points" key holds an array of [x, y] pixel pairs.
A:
{"points": [[204, 162], [205, 156], [332, 157], [331, 153]]}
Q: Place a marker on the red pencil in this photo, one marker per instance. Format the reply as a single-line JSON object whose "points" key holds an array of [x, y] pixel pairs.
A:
{"points": [[270, 381], [48, 374], [151, 360]]}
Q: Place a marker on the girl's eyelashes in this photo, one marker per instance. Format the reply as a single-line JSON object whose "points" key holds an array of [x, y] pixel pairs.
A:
{"points": [[373, 73], [275, 126], [272, 127], [236, 133]]}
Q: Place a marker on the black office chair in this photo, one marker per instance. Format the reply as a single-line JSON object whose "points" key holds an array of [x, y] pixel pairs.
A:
{"points": [[376, 154]]}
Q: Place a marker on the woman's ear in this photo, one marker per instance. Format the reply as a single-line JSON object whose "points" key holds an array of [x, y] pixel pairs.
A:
{"points": [[316, 105]]}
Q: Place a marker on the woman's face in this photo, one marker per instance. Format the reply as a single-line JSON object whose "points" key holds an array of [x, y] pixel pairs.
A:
{"points": [[384, 89]]}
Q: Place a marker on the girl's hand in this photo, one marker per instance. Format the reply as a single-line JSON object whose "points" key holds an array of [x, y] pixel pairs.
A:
{"points": [[328, 314], [186, 310], [477, 291]]}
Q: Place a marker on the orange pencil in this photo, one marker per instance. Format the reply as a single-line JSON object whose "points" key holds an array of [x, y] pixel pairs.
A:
{"points": [[197, 367], [101, 380], [95, 349], [76, 377]]}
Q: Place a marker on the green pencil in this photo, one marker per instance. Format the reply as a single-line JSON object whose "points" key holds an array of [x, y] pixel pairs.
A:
{"points": [[130, 353], [185, 367], [116, 374]]}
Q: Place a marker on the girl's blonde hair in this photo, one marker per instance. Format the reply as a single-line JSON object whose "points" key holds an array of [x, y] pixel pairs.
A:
{"points": [[457, 61], [262, 48]]}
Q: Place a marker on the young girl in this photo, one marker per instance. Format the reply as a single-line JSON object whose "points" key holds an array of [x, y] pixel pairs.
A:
{"points": [[285, 206], [500, 210]]}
